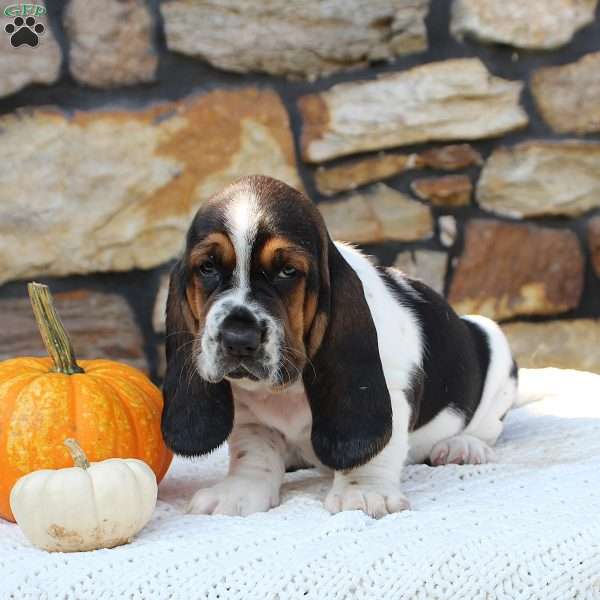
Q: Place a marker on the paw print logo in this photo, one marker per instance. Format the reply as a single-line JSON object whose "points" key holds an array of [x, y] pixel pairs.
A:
{"points": [[24, 31]]}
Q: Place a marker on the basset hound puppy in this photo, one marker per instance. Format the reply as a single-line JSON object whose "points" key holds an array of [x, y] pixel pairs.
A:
{"points": [[299, 351]]}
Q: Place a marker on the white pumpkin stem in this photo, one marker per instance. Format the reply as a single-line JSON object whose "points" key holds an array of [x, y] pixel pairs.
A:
{"points": [[77, 454], [52, 330]]}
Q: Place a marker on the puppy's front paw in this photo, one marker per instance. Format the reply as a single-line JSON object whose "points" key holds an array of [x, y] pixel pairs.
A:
{"points": [[376, 501], [234, 496]]}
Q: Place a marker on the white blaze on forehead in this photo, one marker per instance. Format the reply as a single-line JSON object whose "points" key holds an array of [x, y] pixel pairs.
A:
{"points": [[242, 223]]}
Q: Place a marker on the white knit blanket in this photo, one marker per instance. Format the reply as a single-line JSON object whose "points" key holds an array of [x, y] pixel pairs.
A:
{"points": [[527, 526]]}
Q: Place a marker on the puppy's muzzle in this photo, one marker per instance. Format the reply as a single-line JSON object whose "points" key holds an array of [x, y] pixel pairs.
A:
{"points": [[241, 340]]}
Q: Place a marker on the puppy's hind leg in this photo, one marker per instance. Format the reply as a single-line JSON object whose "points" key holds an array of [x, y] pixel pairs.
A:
{"points": [[462, 449], [473, 445]]}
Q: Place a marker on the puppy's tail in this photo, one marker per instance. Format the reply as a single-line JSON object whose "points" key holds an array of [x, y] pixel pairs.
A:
{"points": [[542, 384]]}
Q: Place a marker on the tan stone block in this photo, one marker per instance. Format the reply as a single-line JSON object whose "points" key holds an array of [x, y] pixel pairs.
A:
{"points": [[380, 213], [509, 269], [352, 175], [540, 24], [568, 96], [539, 178], [451, 157], [297, 39], [110, 42], [569, 344], [446, 100], [450, 190]]}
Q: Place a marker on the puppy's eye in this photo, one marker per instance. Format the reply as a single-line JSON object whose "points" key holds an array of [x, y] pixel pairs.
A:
{"points": [[288, 272], [208, 267]]}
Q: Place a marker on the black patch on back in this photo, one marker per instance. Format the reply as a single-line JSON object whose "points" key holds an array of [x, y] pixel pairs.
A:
{"points": [[456, 355], [482, 347]]}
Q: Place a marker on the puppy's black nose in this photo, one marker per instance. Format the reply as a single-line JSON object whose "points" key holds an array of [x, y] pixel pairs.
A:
{"points": [[241, 336], [242, 342]]}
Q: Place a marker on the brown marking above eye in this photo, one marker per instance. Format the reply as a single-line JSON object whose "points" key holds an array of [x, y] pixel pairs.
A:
{"points": [[279, 252], [214, 245]]}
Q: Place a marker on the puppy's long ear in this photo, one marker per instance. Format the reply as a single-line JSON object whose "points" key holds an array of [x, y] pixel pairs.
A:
{"points": [[197, 415], [346, 388]]}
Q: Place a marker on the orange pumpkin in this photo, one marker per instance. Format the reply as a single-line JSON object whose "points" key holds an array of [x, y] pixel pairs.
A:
{"points": [[113, 410]]}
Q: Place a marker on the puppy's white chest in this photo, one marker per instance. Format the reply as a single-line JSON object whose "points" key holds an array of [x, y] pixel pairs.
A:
{"points": [[288, 411]]}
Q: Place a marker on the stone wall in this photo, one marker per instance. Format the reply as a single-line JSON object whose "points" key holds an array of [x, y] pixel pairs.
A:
{"points": [[459, 140]]}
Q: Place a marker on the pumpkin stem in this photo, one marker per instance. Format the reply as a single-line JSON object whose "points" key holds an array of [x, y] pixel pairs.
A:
{"points": [[77, 454], [52, 330]]}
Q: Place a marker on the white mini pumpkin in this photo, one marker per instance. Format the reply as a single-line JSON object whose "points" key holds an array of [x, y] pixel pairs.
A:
{"points": [[86, 507]]}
